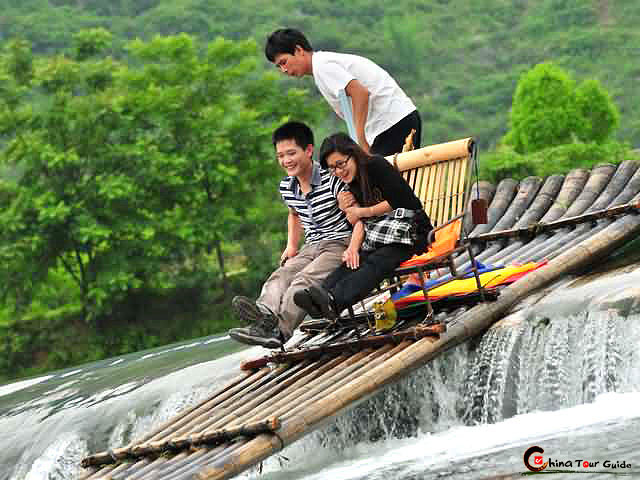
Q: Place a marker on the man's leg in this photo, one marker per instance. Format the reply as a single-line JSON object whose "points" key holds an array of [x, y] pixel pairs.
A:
{"points": [[279, 281], [392, 140], [263, 315], [329, 257]]}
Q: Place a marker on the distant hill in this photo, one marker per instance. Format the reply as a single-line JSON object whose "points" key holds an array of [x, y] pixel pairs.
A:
{"points": [[459, 60]]}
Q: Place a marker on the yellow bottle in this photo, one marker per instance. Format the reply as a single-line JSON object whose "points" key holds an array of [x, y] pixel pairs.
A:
{"points": [[385, 315]]}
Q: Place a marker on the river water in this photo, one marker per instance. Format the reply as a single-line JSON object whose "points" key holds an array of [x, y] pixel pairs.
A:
{"points": [[561, 373]]}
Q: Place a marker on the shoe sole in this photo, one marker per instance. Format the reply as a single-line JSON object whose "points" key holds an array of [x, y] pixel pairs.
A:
{"points": [[242, 337], [246, 310]]}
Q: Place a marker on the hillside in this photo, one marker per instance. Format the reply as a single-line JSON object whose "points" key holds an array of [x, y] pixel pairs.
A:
{"points": [[459, 61]]}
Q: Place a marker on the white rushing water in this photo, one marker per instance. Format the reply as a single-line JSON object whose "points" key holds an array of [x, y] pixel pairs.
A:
{"points": [[563, 373]]}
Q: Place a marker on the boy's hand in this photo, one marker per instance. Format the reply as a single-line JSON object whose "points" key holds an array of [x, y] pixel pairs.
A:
{"points": [[351, 257], [288, 253], [346, 200]]}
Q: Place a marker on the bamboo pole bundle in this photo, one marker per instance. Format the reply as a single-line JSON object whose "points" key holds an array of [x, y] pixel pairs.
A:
{"points": [[542, 201], [572, 186], [505, 192], [186, 422], [183, 443], [239, 383], [598, 180], [471, 323], [618, 183], [562, 223], [229, 408], [527, 190], [541, 204]]}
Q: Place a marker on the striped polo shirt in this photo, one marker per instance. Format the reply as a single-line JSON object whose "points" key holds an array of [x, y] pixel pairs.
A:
{"points": [[318, 210]]}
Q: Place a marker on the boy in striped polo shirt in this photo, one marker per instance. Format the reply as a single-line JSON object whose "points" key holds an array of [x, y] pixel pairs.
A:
{"points": [[310, 192]]}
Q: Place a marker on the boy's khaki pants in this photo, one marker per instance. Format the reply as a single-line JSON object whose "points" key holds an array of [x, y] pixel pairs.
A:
{"points": [[313, 263]]}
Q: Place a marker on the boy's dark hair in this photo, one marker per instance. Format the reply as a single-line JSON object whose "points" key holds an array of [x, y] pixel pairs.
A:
{"points": [[285, 40], [296, 131]]}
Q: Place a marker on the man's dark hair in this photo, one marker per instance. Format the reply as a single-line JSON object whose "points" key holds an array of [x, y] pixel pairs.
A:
{"points": [[285, 40], [296, 131]]}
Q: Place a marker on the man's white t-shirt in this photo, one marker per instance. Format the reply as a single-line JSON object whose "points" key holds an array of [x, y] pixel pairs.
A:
{"points": [[388, 104]]}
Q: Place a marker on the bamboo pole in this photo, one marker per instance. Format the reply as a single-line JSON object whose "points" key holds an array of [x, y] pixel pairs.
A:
{"points": [[413, 333], [527, 190], [187, 468], [432, 154], [243, 412], [329, 376], [624, 172]]}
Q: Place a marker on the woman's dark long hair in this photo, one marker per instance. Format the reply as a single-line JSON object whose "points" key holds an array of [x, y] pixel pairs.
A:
{"points": [[342, 143]]}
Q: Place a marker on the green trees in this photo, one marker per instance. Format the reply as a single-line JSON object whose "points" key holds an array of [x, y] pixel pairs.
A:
{"points": [[556, 126], [549, 110], [131, 178]]}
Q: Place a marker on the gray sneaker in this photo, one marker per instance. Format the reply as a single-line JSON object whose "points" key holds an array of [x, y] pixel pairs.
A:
{"points": [[257, 334]]}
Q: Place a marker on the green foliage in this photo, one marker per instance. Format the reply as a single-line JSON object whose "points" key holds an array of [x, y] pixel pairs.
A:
{"points": [[460, 69], [507, 163], [131, 176], [599, 115], [548, 110], [89, 43], [543, 112]]}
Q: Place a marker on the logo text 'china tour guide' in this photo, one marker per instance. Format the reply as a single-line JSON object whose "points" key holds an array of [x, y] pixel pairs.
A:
{"points": [[536, 463]]}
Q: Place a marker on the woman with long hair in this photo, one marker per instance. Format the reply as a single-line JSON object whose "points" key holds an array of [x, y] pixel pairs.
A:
{"points": [[395, 226]]}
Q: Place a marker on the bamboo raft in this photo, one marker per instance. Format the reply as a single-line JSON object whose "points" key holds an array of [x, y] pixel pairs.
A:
{"points": [[571, 221]]}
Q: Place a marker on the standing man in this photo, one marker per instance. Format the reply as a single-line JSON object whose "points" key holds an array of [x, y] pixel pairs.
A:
{"points": [[382, 113], [311, 194]]}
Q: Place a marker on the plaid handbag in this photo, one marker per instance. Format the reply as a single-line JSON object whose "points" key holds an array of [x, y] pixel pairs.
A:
{"points": [[397, 226]]}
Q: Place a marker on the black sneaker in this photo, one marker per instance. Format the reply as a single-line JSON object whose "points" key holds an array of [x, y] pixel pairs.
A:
{"points": [[246, 310], [302, 298], [324, 301], [257, 334]]}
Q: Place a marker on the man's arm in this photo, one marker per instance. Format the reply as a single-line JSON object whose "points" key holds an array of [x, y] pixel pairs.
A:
{"points": [[294, 234], [360, 99]]}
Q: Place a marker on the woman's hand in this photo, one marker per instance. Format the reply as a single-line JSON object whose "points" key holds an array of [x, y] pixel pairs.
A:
{"points": [[346, 200], [288, 253], [351, 257], [354, 214]]}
